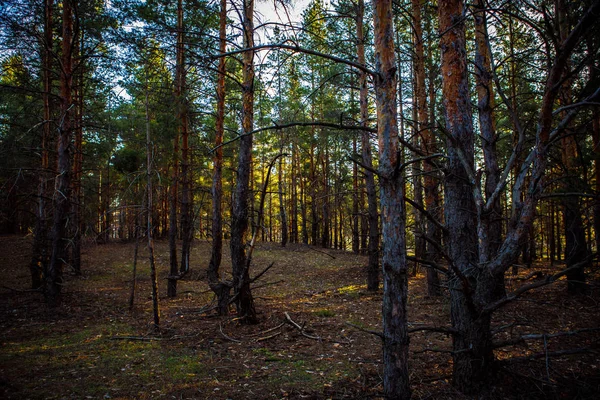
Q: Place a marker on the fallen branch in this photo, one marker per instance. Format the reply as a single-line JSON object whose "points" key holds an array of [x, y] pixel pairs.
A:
{"points": [[228, 337], [22, 290], [319, 251], [267, 284], [140, 338], [439, 329], [268, 330], [290, 321], [543, 336], [360, 328], [536, 356], [534, 285], [257, 277], [268, 337]]}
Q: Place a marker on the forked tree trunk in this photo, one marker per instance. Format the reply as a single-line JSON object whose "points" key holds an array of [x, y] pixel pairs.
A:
{"points": [[373, 246], [473, 356], [395, 279], [490, 237], [62, 193], [222, 290], [239, 224]]}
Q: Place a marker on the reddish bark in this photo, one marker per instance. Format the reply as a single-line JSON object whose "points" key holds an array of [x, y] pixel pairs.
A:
{"points": [[373, 216], [62, 193], [239, 224], [221, 289], [395, 286]]}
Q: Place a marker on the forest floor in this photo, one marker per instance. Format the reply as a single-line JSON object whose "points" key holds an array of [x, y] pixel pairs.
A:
{"points": [[94, 347]]}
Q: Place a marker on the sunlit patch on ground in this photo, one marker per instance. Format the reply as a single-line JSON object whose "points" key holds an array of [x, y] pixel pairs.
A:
{"points": [[94, 347]]}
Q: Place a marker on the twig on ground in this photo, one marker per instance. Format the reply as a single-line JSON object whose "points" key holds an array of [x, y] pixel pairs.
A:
{"points": [[267, 284], [360, 328], [544, 336], [228, 337], [290, 321], [268, 330], [257, 277], [22, 290], [268, 337], [140, 338], [319, 251], [544, 354]]}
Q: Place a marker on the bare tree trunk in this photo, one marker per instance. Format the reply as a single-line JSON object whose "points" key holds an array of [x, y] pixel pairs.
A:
{"points": [[134, 269], [395, 279], [293, 184], [473, 355], [39, 259], [282, 213], [76, 222], [62, 193], [187, 230], [430, 183], [355, 215], [373, 246], [491, 221], [221, 289], [575, 240], [149, 211], [239, 224]]}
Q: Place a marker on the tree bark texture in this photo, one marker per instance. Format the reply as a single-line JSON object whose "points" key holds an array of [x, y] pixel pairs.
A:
{"points": [[473, 355], [149, 223], [373, 216], [221, 289], [62, 193], [239, 224], [429, 146], [187, 230], [575, 241], [39, 259], [395, 279]]}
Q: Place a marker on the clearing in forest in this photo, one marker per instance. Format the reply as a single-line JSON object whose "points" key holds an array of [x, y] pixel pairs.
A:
{"points": [[94, 347]]}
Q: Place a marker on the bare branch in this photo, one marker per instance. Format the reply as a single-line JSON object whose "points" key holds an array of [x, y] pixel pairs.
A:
{"points": [[534, 285], [296, 48], [369, 331], [544, 336]]}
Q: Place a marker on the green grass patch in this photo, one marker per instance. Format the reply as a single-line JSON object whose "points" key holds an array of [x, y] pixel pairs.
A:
{"points": [[324, 313]]}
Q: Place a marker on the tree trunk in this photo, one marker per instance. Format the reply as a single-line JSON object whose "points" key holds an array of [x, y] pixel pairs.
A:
{"points": [[39, 259], [149, 211], [221, 289], [239, 224], [282, 213], [395, 287], [355, 189], [76, 222], [473, 356], [187, 231], [575, 241], [491, 221], [428, 145], [62, 193], [373, 246]]}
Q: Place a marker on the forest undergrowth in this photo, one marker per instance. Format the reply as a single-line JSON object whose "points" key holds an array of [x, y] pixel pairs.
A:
{"points": [[311, 342]]}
